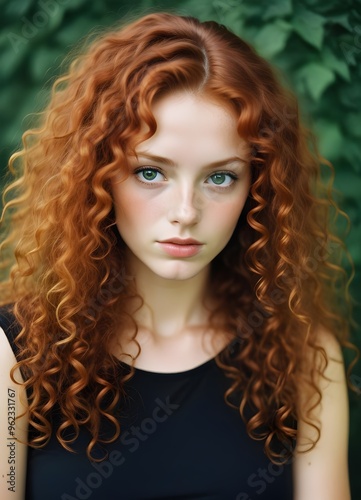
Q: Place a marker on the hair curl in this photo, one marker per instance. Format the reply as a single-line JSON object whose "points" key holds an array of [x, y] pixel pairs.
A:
{"points": [[277, 280]]}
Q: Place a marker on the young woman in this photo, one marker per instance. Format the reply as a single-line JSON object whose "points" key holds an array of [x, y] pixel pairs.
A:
{"points": [[171, 323]]}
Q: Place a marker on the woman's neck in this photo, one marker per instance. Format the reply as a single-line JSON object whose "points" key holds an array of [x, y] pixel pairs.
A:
{"points": [[173, 324], [170, 306]]}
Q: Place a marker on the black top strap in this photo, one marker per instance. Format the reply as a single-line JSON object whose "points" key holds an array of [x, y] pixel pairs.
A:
{"points": [[10, 326]]}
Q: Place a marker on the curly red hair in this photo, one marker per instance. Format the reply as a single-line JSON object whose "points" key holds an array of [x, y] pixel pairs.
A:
{"points": [[276, 281]]}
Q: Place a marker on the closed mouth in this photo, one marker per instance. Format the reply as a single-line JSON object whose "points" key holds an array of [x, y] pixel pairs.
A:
{"points": [[179, 241]]}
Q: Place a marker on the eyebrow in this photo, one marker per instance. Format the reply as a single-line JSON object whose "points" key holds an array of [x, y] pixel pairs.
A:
{"points": [[171, 163]]}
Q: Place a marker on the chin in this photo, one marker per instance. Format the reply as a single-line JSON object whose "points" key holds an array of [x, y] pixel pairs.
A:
{"points": [[178, 271], [180, 276]]}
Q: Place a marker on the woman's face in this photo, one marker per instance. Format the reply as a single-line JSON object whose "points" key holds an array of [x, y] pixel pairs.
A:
{"points": [[180, 204]]}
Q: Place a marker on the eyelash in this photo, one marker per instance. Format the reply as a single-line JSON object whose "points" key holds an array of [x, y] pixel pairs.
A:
{"points": [[232, 175]]}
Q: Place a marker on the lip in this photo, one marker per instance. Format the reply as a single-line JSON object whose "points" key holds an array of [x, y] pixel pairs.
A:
{"points": [[180, 241], [178, 247]]}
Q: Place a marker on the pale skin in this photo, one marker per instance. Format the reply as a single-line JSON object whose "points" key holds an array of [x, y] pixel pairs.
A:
{"points": [[322, 473], [180, 200], [11, 395], [176, 190]]}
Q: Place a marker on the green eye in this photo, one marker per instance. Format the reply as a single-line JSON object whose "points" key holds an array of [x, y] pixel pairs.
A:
{"points": [[149, 175], [222, 179], [218, 178]]}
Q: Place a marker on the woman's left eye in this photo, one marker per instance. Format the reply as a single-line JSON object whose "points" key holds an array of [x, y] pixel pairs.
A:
{"points": [[149, 175], [223, 179]]}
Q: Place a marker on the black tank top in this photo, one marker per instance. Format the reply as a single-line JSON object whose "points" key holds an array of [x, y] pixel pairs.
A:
{"points": [[179, 440]]}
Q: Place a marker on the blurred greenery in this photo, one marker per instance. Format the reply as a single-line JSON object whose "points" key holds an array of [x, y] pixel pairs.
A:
{"points": [[316, 44]]}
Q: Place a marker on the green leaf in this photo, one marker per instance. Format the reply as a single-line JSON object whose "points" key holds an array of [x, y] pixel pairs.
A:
{"points": [[12, 53], [330, 139], [350, 95], [233, 21], [43, 62], [16, 9], [278, 9], [223, 6], [73, 31], [334, 63], [316, 79], [353, 124], [75, 4], [272, 38], [351, 150], [10, 98], [348, 182], [202, 10], [350, 51], [342, 20], [309, 26]]}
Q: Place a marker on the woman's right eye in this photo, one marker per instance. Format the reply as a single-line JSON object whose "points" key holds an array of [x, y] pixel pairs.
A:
{"points": [[149, 175]]}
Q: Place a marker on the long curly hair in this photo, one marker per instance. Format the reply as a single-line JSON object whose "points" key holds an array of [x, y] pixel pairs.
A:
{"points": [[277, 281]]}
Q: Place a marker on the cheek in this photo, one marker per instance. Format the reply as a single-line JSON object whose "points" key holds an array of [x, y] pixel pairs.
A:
{"points": [[132, 209], [226, 217]]}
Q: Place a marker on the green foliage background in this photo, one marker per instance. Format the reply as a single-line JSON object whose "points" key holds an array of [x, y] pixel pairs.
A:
{"points": [[316, 44]]}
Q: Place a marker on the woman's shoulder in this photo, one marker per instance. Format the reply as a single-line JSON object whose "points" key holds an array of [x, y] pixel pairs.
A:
{"points": [[326, 354], [321, 472], [13, 487]]}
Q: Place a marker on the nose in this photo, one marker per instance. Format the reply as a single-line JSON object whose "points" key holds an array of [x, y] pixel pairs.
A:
{"points": [[185, 207]]}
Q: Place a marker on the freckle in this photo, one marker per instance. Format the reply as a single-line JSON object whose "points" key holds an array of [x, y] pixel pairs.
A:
{"points": [[309, 463]]}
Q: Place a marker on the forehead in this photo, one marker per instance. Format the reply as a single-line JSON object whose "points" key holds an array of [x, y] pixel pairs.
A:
{"points": [[195, 109], [189, 125]]}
